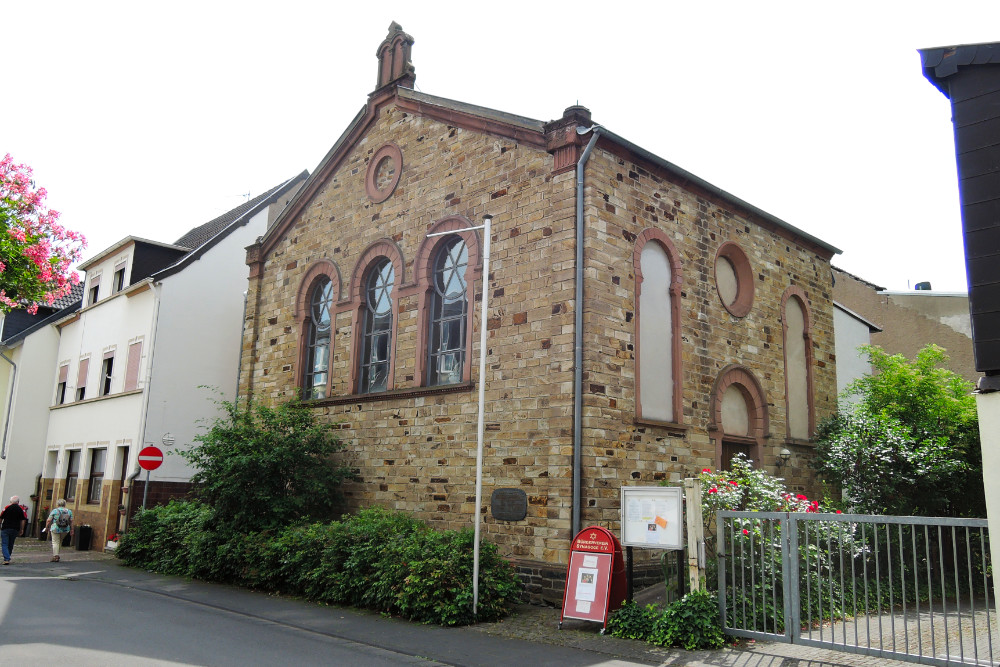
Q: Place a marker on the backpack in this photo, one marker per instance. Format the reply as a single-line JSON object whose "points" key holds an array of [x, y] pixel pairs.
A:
{"points": [[63, 518]]}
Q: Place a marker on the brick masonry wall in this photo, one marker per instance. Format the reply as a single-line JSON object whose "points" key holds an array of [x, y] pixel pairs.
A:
{"points": [[625, 198], [417, 452]]}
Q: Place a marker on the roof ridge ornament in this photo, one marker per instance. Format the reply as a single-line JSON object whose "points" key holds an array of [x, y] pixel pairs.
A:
{"points": [[394, 66]]}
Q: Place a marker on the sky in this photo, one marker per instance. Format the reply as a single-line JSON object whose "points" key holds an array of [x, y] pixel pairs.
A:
{"points": [[148, 119]]}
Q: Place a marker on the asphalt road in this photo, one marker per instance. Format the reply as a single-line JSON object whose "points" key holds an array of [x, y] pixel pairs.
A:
{"points": [[98, 613]]}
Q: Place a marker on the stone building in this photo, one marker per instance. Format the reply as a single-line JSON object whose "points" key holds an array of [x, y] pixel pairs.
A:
{"points": [[909, 321], [706, 325]]}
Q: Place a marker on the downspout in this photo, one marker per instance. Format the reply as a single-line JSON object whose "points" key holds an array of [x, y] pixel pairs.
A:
{"points": [[578, 333], [10, 404], [157, 288], [243, 336]]}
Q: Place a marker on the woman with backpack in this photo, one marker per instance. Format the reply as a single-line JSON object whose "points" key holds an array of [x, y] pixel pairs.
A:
{"points": [[59, 523]]}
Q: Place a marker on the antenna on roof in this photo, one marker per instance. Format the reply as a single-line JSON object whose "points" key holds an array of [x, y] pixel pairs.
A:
{"points": [[246, 196]]}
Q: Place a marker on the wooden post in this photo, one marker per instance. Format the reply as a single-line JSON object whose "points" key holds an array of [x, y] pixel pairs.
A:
{"points": [[695, 533]]}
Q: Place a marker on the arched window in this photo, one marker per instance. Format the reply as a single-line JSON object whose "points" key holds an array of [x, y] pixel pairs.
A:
{"points": [[318, 328], [798, 364], [449, 313], [738, 419], [376, 341], [657, 322]]}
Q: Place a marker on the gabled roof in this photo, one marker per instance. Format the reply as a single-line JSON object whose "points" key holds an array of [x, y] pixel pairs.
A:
{"points": [[872, 327], [206, 236], [68, 304], [518, 128], [203, 233]]}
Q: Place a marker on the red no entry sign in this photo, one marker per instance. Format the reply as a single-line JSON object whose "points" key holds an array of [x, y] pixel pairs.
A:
{"points": [[150, 458]]}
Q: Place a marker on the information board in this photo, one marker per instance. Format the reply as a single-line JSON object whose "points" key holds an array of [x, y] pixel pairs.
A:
{"points": [[652, 517]]}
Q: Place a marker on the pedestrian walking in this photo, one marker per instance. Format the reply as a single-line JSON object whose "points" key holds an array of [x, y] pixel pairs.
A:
{"points": [[13, 521], [59, 523]]}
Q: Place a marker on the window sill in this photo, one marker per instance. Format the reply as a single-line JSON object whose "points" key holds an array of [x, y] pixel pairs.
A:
{"points": [[395, 394], [799, 442], [95, 400], [670, 426]]}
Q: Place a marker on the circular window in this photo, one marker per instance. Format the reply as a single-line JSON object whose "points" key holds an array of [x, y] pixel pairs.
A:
{"points": [[384, 171], [734, 279]]}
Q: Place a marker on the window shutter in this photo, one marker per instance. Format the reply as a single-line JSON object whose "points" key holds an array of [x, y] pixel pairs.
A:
{"points": [[95, 281], [132, 366], [63, 372], [81, 377]]}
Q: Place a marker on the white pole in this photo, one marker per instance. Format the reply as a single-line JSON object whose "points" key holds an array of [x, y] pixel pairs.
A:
{"points": [[487, 219]]}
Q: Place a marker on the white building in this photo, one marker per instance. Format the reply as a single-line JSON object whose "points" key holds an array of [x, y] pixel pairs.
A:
{"points": [[159, 322]]}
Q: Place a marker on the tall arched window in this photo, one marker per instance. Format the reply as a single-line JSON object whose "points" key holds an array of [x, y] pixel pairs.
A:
{"points": [[317, 368], [658, 352], [798, 364], [449, 313], [376, 342]]}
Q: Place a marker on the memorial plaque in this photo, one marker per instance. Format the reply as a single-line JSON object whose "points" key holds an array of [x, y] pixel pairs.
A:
{"points": [[509, 504]]}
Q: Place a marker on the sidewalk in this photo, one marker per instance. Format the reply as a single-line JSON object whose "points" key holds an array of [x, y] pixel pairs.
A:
{"points": [[530, 623]]}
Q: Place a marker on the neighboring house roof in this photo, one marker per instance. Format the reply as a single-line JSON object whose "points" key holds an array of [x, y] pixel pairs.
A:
{"points": [[943, 61], [75, 299], [520, 128], [101, 256], [204, 237], [872, 327], [877, 288]]}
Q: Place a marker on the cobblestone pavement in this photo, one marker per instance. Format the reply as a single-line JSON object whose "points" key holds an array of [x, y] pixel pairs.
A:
{"points": [[541, 625]]}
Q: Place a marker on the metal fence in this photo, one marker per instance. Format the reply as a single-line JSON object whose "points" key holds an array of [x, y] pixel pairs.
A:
{"points": [[909, 588]]}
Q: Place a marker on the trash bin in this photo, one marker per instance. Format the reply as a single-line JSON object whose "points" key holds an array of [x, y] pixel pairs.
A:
{"points": [[84, 534]]}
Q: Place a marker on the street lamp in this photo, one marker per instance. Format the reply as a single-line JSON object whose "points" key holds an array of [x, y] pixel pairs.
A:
{"points": [[168, 439], [783, 457], [487, 220]]}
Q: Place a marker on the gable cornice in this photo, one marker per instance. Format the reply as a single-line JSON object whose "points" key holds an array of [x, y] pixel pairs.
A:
{"points": [[467, 117]]}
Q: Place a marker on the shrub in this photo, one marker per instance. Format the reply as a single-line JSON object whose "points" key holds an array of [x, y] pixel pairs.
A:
{"points": [[376, 559], [265, 467], [691, 623]]}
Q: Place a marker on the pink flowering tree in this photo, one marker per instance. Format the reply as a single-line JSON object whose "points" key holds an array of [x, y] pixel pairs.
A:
{"points": [[36, 252]]}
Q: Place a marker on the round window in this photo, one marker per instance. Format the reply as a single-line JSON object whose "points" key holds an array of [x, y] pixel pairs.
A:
{"points": [[734, 279], [384, 171]]}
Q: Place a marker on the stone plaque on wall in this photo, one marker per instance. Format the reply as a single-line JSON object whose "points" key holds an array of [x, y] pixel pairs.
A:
{"points": [[509, 504]]}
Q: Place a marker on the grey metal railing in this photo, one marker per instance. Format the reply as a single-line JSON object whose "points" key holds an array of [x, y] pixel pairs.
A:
{"points": [[909, 588]]}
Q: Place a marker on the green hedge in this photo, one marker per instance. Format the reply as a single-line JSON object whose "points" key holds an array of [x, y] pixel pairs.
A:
{"points": [[375, 559], [690, 623]]}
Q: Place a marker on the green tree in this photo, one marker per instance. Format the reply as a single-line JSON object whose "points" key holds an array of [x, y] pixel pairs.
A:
{"points": [[264, 467], [910, 445]]}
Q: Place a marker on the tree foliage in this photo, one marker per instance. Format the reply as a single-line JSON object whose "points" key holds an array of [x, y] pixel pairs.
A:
{"points": [[36, 252], [263, 467], [910, 445]]}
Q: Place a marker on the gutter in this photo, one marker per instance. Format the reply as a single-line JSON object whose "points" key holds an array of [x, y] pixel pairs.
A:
{"points": [[578, 332]]}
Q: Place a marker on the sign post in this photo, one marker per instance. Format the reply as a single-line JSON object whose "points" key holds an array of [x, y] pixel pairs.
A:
{"points": [[150, 458], [595, 578]]}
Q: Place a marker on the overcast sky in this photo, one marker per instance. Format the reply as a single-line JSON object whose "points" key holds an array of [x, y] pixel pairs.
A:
{"points": [[148, 119]]}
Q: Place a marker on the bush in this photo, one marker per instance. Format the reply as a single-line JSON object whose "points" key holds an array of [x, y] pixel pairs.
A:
{"points": [[375, 559], [691, 623], [267, 467]]}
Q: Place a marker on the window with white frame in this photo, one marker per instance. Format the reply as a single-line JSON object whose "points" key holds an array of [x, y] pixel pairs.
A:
{"points": [[376, 340], [98, 460], [72, 473], [449, 313], [61, 384], [118, 282], [107, 370], [319, 327]]}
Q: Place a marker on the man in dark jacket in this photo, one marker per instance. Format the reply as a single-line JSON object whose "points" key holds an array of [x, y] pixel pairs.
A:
{"points": [[13, 521]]}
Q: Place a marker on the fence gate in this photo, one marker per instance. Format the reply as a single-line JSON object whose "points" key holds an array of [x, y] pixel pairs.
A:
{"points": [[908, 588]]}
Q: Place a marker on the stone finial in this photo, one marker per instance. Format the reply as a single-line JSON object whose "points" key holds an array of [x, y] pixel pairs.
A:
{"points": [[393, 54]]}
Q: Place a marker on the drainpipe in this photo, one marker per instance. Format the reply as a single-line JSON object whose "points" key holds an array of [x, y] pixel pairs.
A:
{"points": [[243, 336], [578, 332], [10, 404]]}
